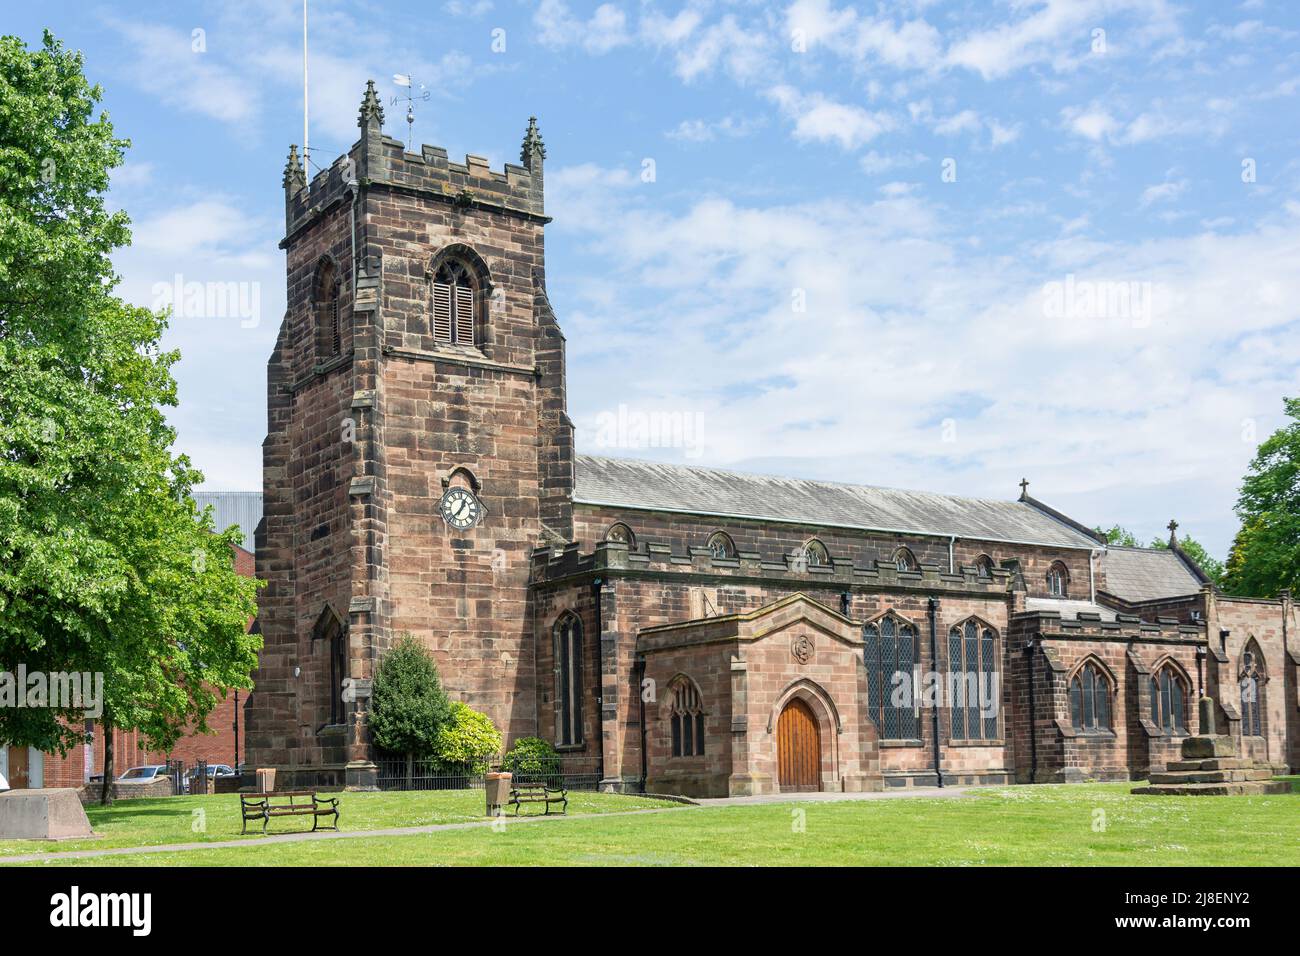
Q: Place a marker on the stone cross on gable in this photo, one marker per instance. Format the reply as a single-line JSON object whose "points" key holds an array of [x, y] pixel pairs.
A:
{"points": [[1173, 531], [1024, 488]]}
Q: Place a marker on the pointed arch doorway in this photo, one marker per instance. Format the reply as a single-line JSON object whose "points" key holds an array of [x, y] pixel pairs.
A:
{"points": [[798, 749]]}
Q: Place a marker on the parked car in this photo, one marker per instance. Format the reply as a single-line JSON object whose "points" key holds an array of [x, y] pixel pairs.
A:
{"points": [[147, 774], [214, 770]]}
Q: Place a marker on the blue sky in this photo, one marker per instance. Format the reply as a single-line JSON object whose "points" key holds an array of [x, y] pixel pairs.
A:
{"points": [[930, 245]]}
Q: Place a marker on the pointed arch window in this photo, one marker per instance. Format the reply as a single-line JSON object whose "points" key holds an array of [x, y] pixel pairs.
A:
{"points": [[984, 567], [568, 680], [686, 719], [1058, 581], [904, 560], [1090, 693], [330, 632], [1168, 692], [1252, 682], [454, 305], [815, 554], [891, 657], [973, 681], [326, 290]]}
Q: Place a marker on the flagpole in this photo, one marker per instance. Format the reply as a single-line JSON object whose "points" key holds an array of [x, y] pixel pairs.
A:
{"points": [[306, 148]]}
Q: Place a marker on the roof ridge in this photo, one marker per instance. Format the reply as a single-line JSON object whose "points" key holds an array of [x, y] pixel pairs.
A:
{"points": [[814, 481]]}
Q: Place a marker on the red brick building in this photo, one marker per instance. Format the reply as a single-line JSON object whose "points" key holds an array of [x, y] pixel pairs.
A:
{"points": [[678, 629]]}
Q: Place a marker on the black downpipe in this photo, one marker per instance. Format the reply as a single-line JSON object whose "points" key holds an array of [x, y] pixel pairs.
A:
{"points": [[600, 685], [934, 711]]}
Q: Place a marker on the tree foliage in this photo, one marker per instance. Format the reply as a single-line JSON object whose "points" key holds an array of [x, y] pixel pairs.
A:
{"points": [[408, 706], [105, 564], [466, 736], [1265, 555]]}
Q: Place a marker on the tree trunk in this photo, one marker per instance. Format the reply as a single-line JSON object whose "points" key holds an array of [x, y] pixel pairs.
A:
{"points": [[410, 770], [106, 791]]}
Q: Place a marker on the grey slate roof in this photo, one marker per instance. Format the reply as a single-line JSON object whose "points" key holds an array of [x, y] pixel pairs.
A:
{"points": [[243, 508], [628, 483], [1068, 609], [1143, 574]]}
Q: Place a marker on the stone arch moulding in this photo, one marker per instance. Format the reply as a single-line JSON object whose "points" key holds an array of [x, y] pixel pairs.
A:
{"points": [[891, 612], [809, 690], [466, 254], [681, 677], [474, 484], [1100, 665]]}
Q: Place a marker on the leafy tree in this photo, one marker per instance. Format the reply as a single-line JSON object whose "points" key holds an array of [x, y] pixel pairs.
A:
{"points": [[1265, 556], [408, 706], [105, 564], [467, 736], [1120, 537]]}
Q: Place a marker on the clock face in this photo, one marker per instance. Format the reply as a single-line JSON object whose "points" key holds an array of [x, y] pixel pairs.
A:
{"points": [[460, 508]]}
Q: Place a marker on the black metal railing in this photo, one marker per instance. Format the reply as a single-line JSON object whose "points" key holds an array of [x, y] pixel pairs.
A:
{"points": [[567, 772]]}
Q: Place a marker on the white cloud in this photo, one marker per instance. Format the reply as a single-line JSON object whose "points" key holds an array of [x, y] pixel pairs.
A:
{"points": [[704, 131], [1162, 192], [165, 64], [819, 119], [604, 31], [1088, 400]]}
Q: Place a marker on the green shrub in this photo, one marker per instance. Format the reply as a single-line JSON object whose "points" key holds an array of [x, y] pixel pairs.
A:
{"points": [[531, 756], [408, 705], [466, 737]]}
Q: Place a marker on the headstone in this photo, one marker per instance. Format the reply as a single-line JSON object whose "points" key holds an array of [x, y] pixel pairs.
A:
{"points": [[50, 814]]}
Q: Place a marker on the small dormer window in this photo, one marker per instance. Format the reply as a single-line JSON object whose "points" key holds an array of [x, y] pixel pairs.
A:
{"points": [[453, 304]]}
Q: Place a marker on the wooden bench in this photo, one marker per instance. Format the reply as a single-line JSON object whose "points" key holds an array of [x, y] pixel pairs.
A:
{"points": [[522, 793], [288, 803]]}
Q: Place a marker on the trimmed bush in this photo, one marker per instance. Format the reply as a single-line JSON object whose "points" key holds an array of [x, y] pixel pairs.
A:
{"points": [[531, 756], [466, 737]]}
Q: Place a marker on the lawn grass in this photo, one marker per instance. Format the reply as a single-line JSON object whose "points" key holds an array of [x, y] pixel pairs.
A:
{"points": [[154, 822], [1074, 825]]}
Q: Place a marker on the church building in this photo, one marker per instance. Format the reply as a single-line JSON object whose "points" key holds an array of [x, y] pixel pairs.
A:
{"points": [[670, 629]]}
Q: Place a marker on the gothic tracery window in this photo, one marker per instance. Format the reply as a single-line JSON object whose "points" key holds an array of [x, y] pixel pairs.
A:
{"points": [[454, 294], [1168, 693], [973, 681], [1090, 699], [815, 555], [686, 719], [721, 545], [622, 533], [891, 657], [904, 560]]}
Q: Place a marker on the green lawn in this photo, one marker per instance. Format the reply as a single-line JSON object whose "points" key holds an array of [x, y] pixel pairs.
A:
{"points": [[1092, 824], [215, 818]]}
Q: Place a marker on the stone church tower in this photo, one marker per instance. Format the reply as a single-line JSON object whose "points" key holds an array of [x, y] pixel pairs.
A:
{"points": [[419, 364]]}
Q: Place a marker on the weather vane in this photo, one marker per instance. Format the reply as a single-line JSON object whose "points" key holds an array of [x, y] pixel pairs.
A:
{"points": [[414, 92]]}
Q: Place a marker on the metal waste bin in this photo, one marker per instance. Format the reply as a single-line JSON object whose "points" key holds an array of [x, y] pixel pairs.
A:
{"points": [[497, 788]]}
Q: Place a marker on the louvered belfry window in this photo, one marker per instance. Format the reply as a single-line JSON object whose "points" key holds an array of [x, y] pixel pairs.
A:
{"points": [[453, 304]]}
